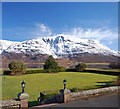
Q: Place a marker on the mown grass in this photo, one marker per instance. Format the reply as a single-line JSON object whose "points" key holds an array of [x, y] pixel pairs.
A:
{"points": [[51, 83]]}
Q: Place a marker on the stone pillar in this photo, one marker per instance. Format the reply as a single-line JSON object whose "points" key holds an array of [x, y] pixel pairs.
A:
{"points": [[23, 97], [66, 95]]}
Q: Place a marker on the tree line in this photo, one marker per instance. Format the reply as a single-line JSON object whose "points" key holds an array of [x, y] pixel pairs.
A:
{"points": [[50, 66]]}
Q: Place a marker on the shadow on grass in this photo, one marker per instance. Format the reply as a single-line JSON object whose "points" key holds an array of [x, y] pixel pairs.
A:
{"points": [[104, 72], [97, 71], [106, 84], [32, 103]]}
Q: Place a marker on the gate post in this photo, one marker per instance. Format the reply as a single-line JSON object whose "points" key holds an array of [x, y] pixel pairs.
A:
{"points": [[23, 97], [66, 95]]}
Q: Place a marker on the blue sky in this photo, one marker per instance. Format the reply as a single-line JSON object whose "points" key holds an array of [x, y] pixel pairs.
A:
{"points": [[90, 20]]}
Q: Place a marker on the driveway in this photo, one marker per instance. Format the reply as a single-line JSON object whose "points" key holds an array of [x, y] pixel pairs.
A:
{"points": [[100, 101]]}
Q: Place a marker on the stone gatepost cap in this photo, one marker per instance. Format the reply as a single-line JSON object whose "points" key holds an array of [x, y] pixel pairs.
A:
{"points": [[22, 96]]}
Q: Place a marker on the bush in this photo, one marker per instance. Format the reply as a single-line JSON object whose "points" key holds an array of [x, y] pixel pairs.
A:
{"points": [[17, 67], [45, 71], [80, 67], [34, 71], [114, 65]]}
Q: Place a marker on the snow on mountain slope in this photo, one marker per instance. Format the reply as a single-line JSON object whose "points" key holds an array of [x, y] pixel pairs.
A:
{"points": [[60, 45], [4, 44]]}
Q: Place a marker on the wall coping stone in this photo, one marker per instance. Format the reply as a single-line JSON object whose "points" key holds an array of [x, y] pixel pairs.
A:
{"points": [[22, 96]]}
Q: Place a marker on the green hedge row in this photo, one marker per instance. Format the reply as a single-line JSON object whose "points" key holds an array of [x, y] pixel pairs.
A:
{"points": [[45, 71], [8, 72]]}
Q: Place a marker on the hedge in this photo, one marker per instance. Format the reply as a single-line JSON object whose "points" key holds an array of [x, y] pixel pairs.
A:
{"points": [[45, 71], [8, 72]]}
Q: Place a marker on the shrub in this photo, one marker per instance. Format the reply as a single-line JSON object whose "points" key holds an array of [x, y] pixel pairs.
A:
{"points": [[33, 71], [80, 67], [17, 67]]}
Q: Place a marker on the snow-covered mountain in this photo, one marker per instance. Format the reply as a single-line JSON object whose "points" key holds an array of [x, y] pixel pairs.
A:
{"points": [[4, 44], [57, 46]]}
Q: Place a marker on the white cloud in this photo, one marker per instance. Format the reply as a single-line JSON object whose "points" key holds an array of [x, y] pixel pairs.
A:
{"points": [[105, 35], [41, 31], [97, 34], [110, 42]]}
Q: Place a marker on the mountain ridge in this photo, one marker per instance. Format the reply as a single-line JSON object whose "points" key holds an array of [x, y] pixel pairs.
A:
{"points": [[58, 46]]}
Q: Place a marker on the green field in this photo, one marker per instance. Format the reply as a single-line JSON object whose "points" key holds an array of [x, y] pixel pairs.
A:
{"points": [[52, 83]]}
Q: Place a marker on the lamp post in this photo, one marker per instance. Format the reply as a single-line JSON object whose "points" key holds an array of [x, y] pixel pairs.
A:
{"points": [[23, 86], [64, 82]]}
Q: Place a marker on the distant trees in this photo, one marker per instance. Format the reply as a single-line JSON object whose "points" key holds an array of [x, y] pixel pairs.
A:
{"points": [[17, 67], [114, 65], [51, 65], [80, 67]]}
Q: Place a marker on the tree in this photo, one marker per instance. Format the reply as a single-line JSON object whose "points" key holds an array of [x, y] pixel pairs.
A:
{"points": [[51, 64], [80, 67], [17, 67]]}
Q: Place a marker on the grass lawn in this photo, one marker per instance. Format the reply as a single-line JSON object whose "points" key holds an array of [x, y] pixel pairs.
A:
{"points": [[52, 83]]}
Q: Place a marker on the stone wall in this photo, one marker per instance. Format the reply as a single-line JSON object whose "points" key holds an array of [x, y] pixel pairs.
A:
{"points": [[66, 95], [21, 102], [6, 104], [55, 99], [76, 95]]}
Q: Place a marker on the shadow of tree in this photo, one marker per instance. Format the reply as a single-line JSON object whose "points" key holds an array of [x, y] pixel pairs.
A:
{"points": [[104, 72], [105, 84]]}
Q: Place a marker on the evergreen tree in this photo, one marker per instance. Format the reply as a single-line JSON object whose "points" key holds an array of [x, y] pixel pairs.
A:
{"points": [[51, 63], [80, 67]]}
